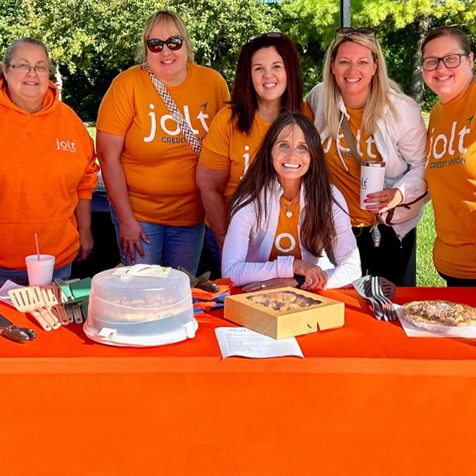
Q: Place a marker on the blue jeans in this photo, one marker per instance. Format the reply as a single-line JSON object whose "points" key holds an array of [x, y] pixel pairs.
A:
{"points": [[168, 245], [213, 248], [21, 277]]}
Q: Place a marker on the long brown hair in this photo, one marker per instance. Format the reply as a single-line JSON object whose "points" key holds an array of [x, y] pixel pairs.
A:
{"points": [[243, 95], [317, 231]]}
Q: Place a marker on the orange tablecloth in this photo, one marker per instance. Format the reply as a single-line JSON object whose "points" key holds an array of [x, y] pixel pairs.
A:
{"points": [[365, 400]]}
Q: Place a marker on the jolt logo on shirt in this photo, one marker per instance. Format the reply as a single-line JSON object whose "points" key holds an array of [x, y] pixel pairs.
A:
{"points": [[65, 145], [285, 242], [440, 146], [170, 126], [370, 142], [246, 156]]}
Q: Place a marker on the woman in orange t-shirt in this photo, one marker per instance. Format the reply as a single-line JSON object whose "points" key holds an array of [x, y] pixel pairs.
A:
{"points": [[451, 153], [147, 164], [267, 82]]}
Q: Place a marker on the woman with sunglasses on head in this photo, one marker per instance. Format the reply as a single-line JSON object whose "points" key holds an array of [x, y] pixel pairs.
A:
{"points": [[47, 167], [267, 82], [285, 214], [148, 154], [359, 101], [451, 154]]}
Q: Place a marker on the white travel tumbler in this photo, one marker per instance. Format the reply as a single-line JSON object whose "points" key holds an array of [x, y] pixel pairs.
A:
{"points": [[372, 175]]}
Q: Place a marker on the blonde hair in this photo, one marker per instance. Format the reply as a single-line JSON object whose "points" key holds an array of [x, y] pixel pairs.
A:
{"points": [[169, 18], [380, 86]]}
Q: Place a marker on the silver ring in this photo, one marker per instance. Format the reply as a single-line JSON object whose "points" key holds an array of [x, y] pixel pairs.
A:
{"points": [[262, 285]]}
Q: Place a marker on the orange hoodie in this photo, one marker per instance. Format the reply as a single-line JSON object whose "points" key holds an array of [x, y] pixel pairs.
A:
{"points": [[47, 162]]}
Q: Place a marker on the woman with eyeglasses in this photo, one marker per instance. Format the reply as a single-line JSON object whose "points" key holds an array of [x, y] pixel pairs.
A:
{"points": [[358, 100], [148, 154], [267, 82], [284, 215], [47, 167], [451, 154]]}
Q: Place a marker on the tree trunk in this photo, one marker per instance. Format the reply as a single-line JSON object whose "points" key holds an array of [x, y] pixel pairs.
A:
{"points": [[417, 86], [59, 81]]}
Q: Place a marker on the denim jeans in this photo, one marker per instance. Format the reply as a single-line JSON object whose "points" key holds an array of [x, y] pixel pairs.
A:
{"points": [[168, 245], [213, 248], [21, 277]]}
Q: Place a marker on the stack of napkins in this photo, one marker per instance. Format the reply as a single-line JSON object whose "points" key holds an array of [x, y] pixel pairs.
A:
{"points": [[204, 301]]}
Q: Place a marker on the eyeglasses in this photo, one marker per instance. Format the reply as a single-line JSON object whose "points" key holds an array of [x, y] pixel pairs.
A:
{"points": [[24, 68], [346, 31], [173, 43], [266, 35], [450, 61]]}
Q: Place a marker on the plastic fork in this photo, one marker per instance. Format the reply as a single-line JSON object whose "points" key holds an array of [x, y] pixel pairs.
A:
{"points": [[390, 314]]}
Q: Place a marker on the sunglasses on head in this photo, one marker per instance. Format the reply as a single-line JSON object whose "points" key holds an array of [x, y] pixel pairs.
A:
{"points": [[173, 43], [346, 31], [266, 35]]}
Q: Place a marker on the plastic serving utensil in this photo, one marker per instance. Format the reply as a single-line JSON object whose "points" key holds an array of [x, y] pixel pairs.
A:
{"points": [[76, 298], [29, 299], [201, 282], [363, 286], [52, 298]]}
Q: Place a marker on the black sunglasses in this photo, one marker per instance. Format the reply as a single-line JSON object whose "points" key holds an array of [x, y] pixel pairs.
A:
{"points": [[346, 31], [173, 43], [266, 35]]}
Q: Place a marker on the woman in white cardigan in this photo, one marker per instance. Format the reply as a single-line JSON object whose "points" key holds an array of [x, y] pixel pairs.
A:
{"points": [[285, 214], [386, 126]]}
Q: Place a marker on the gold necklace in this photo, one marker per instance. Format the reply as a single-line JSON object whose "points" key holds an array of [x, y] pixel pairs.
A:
{"points": [[288, 208]]}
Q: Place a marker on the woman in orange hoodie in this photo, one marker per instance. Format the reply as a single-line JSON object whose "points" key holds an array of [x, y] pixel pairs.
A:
{"points": [[47, 167]]}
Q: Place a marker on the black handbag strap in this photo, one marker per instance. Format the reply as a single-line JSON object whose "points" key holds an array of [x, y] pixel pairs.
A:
{"points": [[349, 138]]}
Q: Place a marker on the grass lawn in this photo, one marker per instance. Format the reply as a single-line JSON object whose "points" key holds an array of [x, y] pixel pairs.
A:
{"points": [[92, 131], [426, 272]]}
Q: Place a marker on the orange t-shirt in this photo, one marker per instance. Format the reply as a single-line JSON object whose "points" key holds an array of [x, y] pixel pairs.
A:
{"points": [[227, 148], [286, 240], [349, 182], [158, 162], [451, 177], [47, 163]]}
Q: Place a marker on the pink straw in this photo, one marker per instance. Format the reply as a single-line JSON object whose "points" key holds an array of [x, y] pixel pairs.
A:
{"points": [[37, 246]]}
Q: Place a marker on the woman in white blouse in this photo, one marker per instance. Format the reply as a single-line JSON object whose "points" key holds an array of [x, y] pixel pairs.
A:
{"points": [[284, 215]]}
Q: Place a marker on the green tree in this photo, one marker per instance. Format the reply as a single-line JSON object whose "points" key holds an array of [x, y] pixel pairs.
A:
{"points": [[400, 25]]}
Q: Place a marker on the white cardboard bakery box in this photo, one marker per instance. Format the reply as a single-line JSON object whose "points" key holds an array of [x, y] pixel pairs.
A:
{"points": [[320, 313]]}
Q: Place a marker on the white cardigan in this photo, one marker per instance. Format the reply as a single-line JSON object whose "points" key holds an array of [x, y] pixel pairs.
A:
{"points": [[400, 142], [247, 247]]}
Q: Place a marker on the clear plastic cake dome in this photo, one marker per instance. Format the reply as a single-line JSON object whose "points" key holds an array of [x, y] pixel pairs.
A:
{"points": [[139, 306]]}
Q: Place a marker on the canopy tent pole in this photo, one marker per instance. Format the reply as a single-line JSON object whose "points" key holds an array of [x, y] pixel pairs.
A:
{"points": [[345, 13]]}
